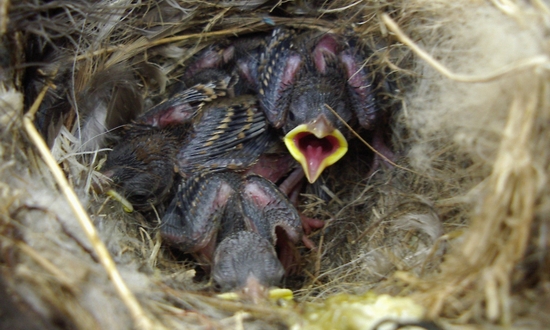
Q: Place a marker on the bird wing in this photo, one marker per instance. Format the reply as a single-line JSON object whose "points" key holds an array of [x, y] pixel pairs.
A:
{"points": [[230, 134], [182, 107], [267, 209], [276, 74], [193, 218]]}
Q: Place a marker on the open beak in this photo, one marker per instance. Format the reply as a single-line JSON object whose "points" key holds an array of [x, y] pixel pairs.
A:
{"points": [[316, 145]]}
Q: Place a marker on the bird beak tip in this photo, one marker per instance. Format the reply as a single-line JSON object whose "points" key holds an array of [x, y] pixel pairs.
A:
{"points": [[313, 174]]}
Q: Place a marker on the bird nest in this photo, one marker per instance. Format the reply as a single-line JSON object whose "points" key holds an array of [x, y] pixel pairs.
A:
{"points": [[454, 234]]}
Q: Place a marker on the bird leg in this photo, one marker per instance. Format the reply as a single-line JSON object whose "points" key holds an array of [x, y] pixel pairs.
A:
{"points": [[192, 220], [182, 107], [379, 144]]}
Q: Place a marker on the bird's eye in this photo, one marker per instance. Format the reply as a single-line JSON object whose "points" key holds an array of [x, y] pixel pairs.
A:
{"points": [[140, 197], [291, 116]]}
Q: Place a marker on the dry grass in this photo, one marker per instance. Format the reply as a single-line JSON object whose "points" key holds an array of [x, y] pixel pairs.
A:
{"points": [[460, 225]]}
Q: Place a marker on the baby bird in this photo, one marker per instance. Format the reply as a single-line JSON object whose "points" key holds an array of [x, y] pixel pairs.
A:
{"points": [[236, 228], [309, 84], [192, 131]]}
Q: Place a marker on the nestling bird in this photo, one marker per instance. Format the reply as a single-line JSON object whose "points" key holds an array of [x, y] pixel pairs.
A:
{"points": [[190, 132], [236, 228], [306, 76], [220, 212], [302, 78], [142, 166], [228, 220]]}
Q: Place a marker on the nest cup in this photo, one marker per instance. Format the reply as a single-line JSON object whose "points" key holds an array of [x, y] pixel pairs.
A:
{"points": [[459, 227]]}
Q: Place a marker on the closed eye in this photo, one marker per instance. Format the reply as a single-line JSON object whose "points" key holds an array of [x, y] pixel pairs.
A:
{"points": [[291, 116]]}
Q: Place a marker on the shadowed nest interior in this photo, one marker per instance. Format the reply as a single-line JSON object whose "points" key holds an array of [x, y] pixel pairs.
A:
{"points": [[459, 225]]}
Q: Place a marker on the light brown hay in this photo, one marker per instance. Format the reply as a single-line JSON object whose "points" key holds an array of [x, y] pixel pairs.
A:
{"points": [[471, 133]]}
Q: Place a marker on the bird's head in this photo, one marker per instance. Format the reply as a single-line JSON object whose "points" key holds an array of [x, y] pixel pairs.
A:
{"points": [[310, 86], [316, 89], [245, 260], [313, 133]]}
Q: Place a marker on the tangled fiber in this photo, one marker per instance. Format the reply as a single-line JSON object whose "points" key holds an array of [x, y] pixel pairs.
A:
{"points": [[458, 228]]}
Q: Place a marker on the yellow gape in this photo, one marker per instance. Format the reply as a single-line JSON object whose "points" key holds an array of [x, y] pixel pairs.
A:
{"points": [[315, 149]]}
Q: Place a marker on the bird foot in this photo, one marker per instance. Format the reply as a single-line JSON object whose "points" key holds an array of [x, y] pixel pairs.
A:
{"points": [[309, 224]]}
